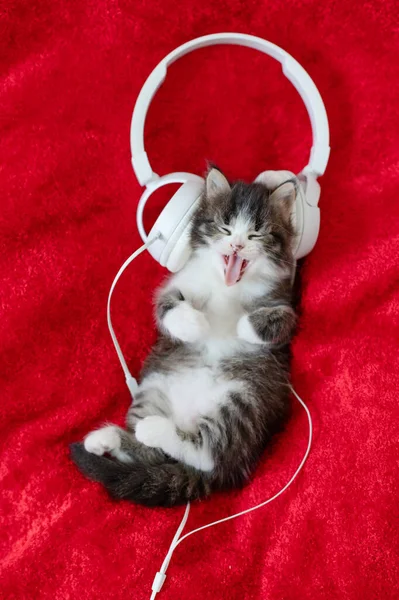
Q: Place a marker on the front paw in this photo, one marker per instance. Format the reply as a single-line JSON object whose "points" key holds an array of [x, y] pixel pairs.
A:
{"points": [[186, 323], [245, 331], [100, 441], [153, 431], [268, 325]]}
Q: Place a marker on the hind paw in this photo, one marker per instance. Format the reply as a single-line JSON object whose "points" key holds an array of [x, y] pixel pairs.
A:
{"points": [[154, 431], [106, 439]]}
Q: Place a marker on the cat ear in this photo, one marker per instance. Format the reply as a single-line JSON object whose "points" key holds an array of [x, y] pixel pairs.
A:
{"points": [[216, 183], [283, 197]]}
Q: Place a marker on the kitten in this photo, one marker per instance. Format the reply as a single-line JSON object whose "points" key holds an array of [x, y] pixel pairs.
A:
{"points": [[215, 387]]}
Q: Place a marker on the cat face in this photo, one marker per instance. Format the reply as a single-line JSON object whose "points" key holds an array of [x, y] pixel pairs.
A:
{"points": [[247, 226]]}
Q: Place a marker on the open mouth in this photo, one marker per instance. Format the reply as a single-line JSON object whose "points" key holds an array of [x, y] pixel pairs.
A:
{"points": [[234, 268]]}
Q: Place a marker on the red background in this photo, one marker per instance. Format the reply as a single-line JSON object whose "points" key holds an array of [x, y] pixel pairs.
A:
{"points": [[70, 73]]}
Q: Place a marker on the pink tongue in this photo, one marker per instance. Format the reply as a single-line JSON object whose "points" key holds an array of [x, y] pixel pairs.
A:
{"points": [[233, 269]]}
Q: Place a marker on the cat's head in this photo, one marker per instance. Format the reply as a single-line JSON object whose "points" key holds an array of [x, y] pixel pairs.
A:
{"points": [[247, 228]]}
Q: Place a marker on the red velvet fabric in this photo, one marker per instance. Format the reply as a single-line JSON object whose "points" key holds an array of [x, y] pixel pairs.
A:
{"points": [[70, 73]]}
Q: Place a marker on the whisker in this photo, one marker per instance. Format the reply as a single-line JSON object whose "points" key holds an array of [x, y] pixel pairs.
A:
{"points": [[292, 264], [278, 225], [277, 257]]}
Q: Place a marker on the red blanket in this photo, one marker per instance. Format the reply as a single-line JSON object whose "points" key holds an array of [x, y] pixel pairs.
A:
{"points": [[70, 73]]}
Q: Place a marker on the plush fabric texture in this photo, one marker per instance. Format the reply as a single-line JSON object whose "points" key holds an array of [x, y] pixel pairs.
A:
{"points": [[70, 73]]}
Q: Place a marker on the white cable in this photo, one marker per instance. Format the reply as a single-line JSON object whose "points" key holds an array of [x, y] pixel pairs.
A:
{"points": [[130, 381], [161, 575]]}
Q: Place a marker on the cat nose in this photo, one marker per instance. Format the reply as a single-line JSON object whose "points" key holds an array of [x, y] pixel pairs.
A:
{"points": [[237, 247]]}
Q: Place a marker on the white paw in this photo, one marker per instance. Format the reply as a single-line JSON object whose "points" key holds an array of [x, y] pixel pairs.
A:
{"points": [[246, 332], [186, 323], [153, 431], [103, 440]]}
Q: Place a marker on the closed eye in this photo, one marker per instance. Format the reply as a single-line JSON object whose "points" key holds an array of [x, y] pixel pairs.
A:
{"points": [[254, 236], [224, 230]]}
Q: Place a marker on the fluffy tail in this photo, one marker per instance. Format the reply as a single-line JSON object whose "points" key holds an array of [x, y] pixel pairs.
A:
{"points": [[166, 484]]}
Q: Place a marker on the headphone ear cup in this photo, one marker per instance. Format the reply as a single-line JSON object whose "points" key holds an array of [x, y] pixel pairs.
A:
{"points": [[180, 249], [306, 215], [272, 179], [173, 250]]}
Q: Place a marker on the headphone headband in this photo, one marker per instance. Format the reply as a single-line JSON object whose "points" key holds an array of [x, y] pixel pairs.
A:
{"points": [[292, 70]]}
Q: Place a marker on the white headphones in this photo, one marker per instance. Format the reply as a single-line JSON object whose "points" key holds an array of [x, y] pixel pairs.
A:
{"points": [[171, 231]]}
